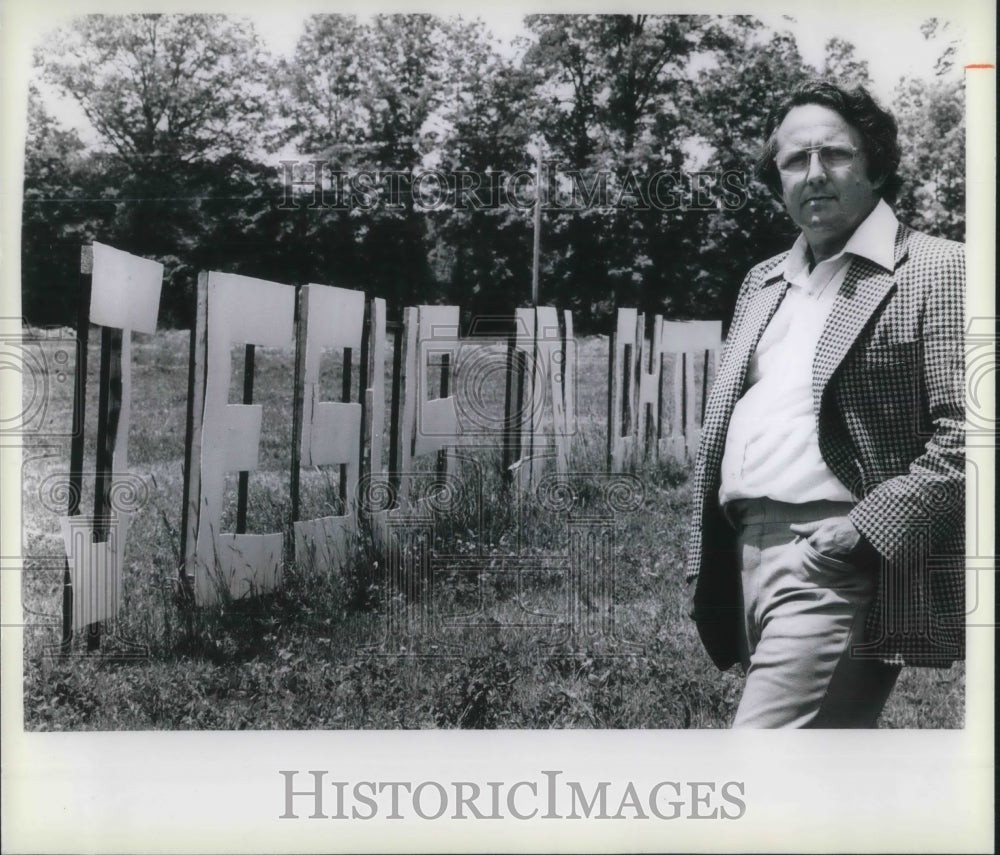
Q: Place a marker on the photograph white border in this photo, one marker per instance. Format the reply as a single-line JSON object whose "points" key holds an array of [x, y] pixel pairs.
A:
{"points": [[928, 791]]}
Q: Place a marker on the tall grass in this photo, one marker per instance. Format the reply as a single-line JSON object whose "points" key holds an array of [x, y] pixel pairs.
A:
{"points": [[477, 636]]}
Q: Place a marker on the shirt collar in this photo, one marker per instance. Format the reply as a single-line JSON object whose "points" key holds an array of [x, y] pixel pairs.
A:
{"points": [[874, 239]]}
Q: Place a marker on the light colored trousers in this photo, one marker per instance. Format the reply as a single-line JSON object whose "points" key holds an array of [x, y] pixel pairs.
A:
{"points": [[803, 611]]}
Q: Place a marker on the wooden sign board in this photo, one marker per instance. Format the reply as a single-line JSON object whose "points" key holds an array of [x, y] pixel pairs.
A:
{"points": [[124, 295], [624, 391], [226, 437], [126, 290], [696, 345], [330, 432], [436, 425], [650, 369], [541, 402]]}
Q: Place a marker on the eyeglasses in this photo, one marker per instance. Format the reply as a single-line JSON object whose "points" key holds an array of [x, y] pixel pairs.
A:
{"points": [[796, 162]]}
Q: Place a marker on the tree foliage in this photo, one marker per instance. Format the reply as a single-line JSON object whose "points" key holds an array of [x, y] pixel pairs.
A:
{"points": [[63, 209], [193, 117], [931, 118], [321, 86], [842, 64], [180, 88]]}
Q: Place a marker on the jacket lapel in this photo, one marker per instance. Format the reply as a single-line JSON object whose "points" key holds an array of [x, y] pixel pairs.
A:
{"points": [[862, 292], [733, 370]]}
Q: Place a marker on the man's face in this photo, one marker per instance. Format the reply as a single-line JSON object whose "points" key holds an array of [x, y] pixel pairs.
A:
{"points": [[827, 202]]}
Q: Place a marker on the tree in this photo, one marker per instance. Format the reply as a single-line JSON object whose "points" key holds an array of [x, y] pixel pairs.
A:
{"points": [[404, 76], [175, 100], [842, 65], [179, 88], [362, 97], [487, 118], [613, 90], [322, 88], [62, 210], [931, 119], [754, 70], [933, 29], [182, 105]]}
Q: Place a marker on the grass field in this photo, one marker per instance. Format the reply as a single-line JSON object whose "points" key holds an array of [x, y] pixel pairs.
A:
{"points": [[498, 634]]}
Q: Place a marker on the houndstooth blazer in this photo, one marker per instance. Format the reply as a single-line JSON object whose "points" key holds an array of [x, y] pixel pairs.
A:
{"points": [[888, 391]]}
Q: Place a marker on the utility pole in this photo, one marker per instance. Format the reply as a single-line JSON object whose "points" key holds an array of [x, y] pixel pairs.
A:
{"points": [[536, 253]]}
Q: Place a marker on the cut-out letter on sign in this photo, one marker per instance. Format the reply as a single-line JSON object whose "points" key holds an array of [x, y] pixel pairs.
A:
{"points": [[225, 437], [330, 430], [546, 408], [650, 369], [688, 341], [624, 389], [428, 424]]}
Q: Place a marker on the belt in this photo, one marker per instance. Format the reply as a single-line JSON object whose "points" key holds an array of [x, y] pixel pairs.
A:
{"points": [[763, 512]]}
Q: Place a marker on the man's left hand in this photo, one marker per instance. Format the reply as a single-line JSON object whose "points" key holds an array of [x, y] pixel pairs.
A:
{"points": [[835, 536]]}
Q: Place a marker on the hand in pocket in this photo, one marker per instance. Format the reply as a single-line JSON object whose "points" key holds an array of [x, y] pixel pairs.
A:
{"points": [[834, 537]]}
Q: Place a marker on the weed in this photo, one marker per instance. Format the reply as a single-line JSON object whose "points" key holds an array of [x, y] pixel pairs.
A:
{"points": [[482, 637], [477, 694]]}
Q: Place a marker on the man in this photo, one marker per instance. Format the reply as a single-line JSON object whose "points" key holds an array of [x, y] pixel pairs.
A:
{"points": [[828, 529]]}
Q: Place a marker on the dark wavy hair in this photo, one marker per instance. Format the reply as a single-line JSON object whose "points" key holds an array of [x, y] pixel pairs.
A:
{"points": [[857, 107]]}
